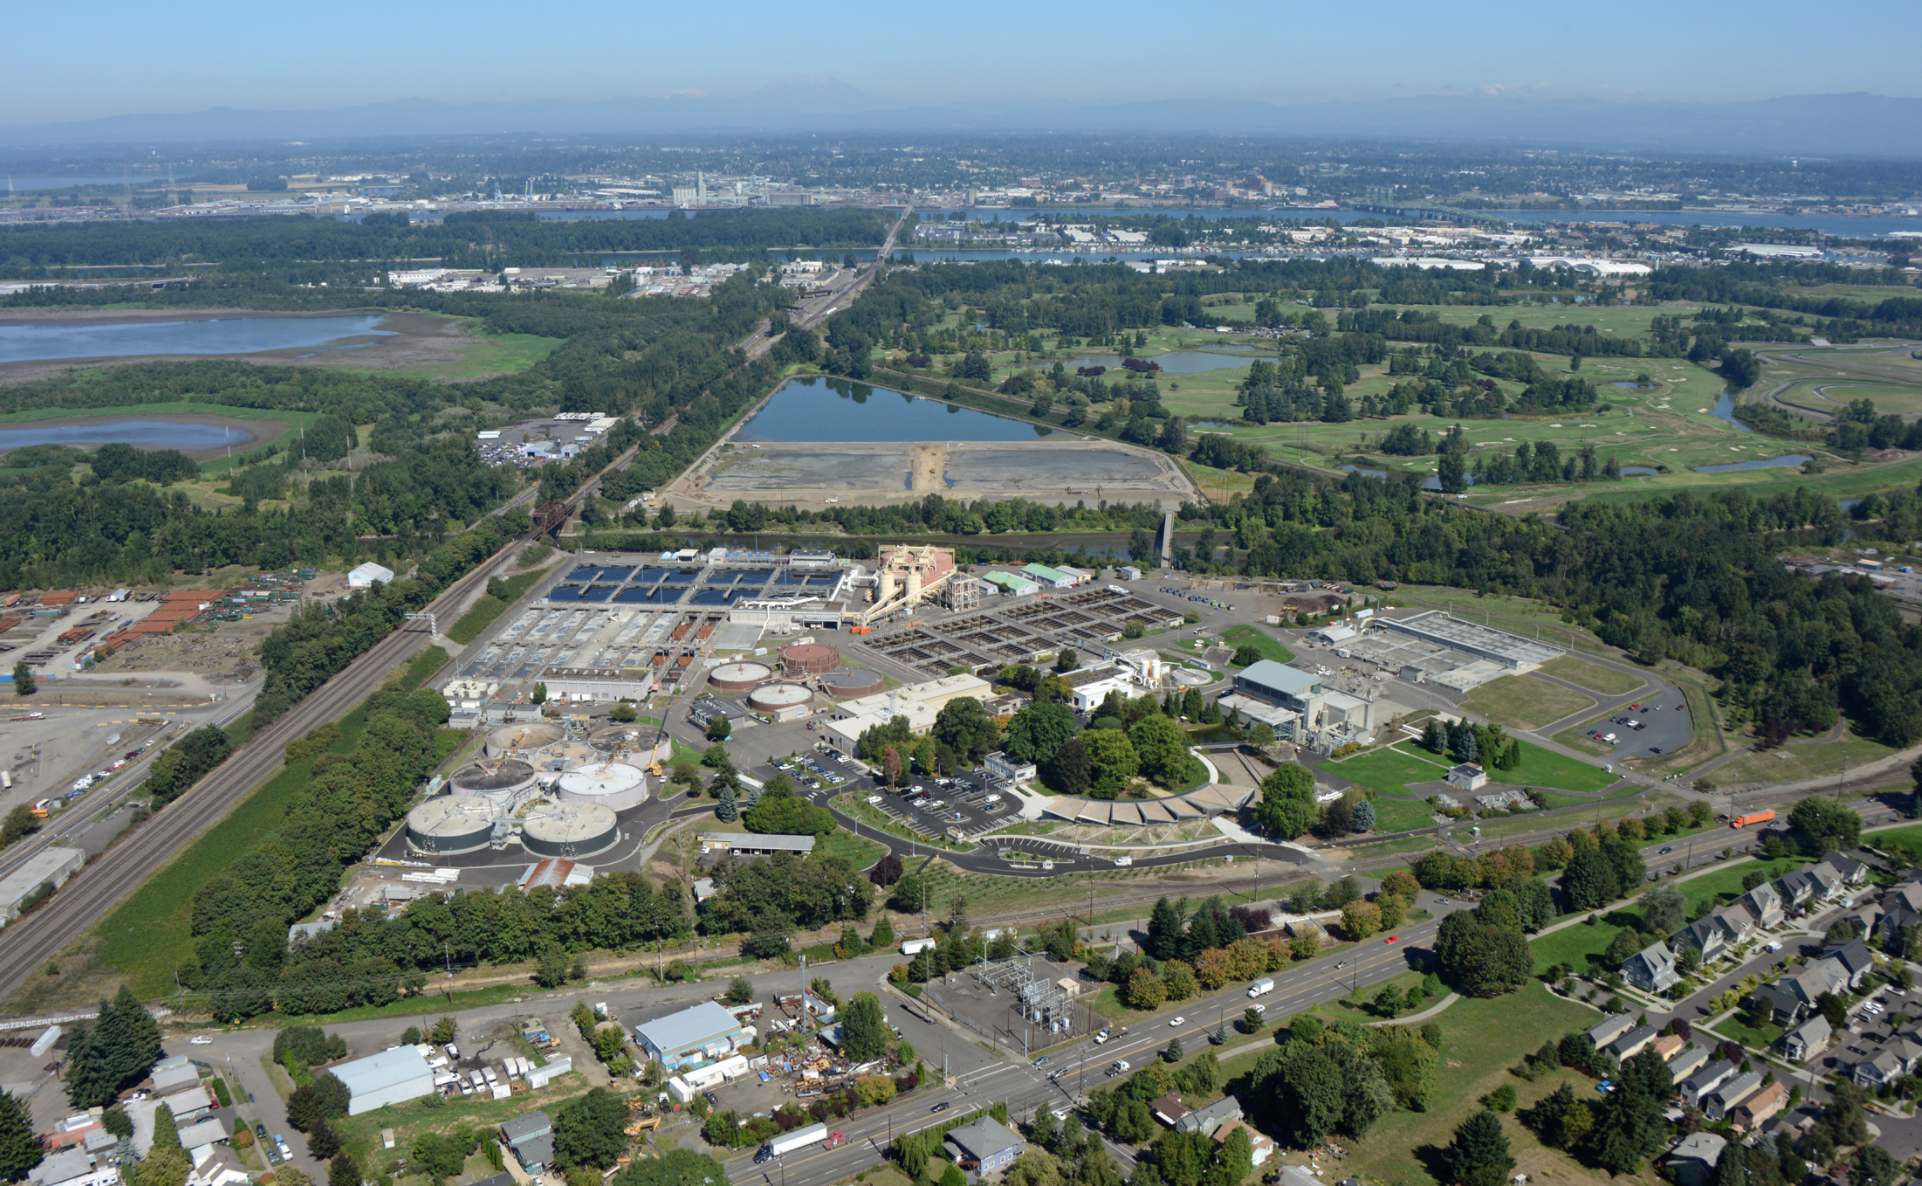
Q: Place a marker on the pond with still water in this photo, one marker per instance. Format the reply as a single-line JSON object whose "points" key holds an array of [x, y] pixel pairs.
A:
{"points": [[1784, 461], [153, 434], [221, 335], [820, 409]]}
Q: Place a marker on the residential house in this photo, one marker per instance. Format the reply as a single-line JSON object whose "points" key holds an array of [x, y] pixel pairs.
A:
{"points": [[1631, 1043], [1609, 1028], [218, 1165], [1895, 922], [1693, 1161], [1707, 936], [71, 1167], [1169, 1109], [1784, 1006], [1686, 1062], [1718, 1102], [1764, 905], [1696, 1087], [1908, 894], [1668, 1046], [1736, 918], [1809, 1039], [1207, 1119], [1855, 957], [531, 1137], [1263, 1145], [1811, 982], [986, 1143], [1751, 1112], [1852, 871], [1897, 1058], [1652, 969], [1797, 890]]}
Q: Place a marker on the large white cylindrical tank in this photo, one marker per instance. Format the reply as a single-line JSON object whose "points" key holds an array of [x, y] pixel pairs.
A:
{"points": [[451, 824], [568, 829], [739, 677], [614, 785], [775, 697]]}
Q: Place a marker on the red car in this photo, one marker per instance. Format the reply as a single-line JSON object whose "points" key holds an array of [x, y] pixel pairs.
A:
{"points": [[1392, 939]]}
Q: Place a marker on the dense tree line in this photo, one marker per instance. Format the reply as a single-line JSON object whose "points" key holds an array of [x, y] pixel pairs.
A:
{"points": [[111, 1053], [489, 240]]}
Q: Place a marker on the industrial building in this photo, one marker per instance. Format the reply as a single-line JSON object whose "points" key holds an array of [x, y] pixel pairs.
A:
{"points": [[1442, 629], [367, 575], [749, 844], [919, 703], [1297, 704], [390, 1077], [699, 1034], [1021, 630], [49, 867]]}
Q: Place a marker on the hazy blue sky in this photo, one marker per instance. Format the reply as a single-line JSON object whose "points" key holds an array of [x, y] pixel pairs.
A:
{"points": [[119, 56]]}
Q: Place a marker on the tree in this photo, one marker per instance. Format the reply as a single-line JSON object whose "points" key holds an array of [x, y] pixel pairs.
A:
{"points": [[20, 1147], [1360, 919], [1626, 943], [1145, 990], [729, 809], [1479, 1156], [1364, 820], [964, 726], [718, 730], [1825, 826], [23, 681], [1252, 1020], [1664, 910], [680, 1167], [1162, 748], [1071, 772], [540, 693], [1287, 808], [740, 991], [1112, 761], [882, 937], [1037, 732], [343, 1170], [1165, 930], [439, 1155], [864, 1035], [588, 1130], [886, 871], [1591, 881], [112, 1053]]}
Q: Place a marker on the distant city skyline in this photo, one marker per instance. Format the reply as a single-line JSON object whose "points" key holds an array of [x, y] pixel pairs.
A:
{"points": [[123, 58]]}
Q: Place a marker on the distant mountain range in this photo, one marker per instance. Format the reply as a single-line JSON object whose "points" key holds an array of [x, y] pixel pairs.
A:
{"points": [[1851, 125]]}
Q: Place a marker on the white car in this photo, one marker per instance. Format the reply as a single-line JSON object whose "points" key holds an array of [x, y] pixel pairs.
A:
{"points": [[200, 1040], [1177, 1022]]}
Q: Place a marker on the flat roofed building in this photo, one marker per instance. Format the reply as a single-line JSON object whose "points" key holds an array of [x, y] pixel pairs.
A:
{"points": [[749, 844], [692, 1035], [390, 1077]]}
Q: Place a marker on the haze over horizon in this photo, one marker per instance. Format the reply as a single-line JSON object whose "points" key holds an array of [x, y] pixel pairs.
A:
{"points": [[143, 60]]}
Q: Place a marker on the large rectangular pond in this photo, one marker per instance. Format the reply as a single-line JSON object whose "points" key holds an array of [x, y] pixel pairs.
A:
{"points": [[218, 335], [821, 409], [154, 434]]}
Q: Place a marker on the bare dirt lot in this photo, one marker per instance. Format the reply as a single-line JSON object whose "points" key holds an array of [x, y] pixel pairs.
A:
{"points": [[219, 652]]}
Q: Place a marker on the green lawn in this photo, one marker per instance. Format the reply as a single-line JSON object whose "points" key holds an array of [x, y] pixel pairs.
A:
{"points": [[1575, 945], [1399, 815], [1390, 770], [861, 851], [1593, 676], [1546, 768], [1524, 702], [1269, 646], [1732, 1027], [489, 607]]}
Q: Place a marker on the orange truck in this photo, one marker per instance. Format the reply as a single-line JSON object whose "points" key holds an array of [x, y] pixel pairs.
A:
{"points": [[1756, 817]]}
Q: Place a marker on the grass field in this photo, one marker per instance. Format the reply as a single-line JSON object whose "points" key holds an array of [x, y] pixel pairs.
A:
{"points": [[1390, 770], [861, 851], [1269, 646], [1593, 676], [488, 354], [144, 937], [1524, 702], [1480, 1040], [1801, 759], [1399, 815], [1546, 768]]}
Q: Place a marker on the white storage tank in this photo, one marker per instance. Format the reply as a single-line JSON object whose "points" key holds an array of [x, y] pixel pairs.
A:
{"points": [[614, 785], [451, 824], [569, 829]]}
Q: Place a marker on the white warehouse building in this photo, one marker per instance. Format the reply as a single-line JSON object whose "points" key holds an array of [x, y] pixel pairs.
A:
{"points": [[390, 1077]]}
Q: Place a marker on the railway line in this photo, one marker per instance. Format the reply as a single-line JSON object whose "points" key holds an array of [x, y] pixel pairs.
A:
{"points": [[27, 944]]}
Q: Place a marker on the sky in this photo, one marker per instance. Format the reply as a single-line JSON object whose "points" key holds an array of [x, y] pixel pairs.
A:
{"points": [[115, 57]]}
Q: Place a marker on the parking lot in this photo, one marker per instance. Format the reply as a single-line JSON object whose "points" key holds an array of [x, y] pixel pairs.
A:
{"points": [[961, 807], [1663, 727], [818, 774]]}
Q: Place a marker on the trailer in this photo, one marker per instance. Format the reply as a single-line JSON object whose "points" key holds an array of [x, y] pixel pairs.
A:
{"points": [[917, 946], [800, 1138], [1755, 817]]}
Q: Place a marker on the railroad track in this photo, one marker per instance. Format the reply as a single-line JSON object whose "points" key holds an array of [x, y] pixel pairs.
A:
{"points": [[27, 944]]}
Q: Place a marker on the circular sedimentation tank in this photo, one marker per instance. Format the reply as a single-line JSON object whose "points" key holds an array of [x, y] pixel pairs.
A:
{"points": [[568, 829], [808, 658], [1188, 677], [566, 755], [505, 782], [775, 697], [739, 677], [524, 737], [847, 682], [614, 785], [452, 823]]}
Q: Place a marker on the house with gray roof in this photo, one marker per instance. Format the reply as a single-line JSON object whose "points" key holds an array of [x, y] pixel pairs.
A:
{"points": [[1764, 905], [1697, 1086], [1609, 1028], [1852, 871], [984, 1142], [1897, 918], [1897, 1057], [1685, 1062], [1811, 982], [1736, 918], [1785, 1008], [1718, 1102], [1693, 1161], [1206, 1120], [1809, 1039], [1652, 969], [1631, 1043], [1855, 958], [1707, 936]]}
